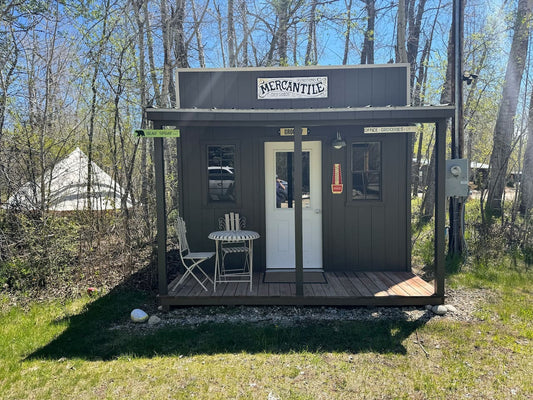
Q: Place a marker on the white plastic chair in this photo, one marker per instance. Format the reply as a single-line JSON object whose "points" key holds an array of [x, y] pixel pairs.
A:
{"points": [[190, 260], [233, 222]]}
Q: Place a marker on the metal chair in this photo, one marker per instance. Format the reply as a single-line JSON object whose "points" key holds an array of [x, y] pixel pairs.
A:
{"points": [[191, 260], [233, 222]]}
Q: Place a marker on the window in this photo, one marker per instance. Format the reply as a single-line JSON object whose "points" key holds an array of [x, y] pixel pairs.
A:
{"points": [[285, 179], [221, 173], [366, 171]]}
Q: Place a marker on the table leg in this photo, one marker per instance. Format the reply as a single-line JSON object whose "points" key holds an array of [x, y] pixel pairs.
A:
{"points": [[216, 267], [251, 260]]}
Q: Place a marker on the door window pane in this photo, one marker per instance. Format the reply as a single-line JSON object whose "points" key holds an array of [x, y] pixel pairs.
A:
{"points": [[285, 180], [366, 171], [221, 173]]}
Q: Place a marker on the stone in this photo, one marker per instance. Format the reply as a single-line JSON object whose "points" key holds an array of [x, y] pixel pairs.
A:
{"points": [[439, 310], [153, 320], [138, 315], [451, 308], [429, 307]]}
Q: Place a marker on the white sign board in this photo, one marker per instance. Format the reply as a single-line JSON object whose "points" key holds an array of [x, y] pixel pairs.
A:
{"points": [[390, 129], [290, 131], [315, 87]]}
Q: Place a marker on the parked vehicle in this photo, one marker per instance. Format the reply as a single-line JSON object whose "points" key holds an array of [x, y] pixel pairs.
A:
{"points": [[221, 183]]}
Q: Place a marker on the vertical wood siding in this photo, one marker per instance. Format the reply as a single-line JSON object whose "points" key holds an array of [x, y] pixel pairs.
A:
{"points": [[357, 235], [349, 87]]}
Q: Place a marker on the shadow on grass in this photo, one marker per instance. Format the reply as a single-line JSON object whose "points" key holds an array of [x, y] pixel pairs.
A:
{"points": [[92, 334]]}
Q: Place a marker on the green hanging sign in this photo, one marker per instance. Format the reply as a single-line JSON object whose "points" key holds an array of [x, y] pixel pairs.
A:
{"points": [[157, 133]]}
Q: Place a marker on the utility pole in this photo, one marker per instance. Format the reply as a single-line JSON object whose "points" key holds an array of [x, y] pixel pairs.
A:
{"points": [[456, 213]]}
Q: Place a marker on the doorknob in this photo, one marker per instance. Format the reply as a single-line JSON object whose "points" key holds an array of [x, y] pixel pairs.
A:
{"points": [[317, 211]]}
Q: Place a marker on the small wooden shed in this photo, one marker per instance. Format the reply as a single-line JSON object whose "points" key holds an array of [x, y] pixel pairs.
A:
{"points": [[339, 140]]}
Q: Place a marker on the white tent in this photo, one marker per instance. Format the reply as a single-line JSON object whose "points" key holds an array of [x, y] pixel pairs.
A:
{"points": [[67, 188]]}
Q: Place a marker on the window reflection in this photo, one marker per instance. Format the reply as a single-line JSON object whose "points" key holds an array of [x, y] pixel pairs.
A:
{"points": [[285, 180], [366, 171], [221, 173]]}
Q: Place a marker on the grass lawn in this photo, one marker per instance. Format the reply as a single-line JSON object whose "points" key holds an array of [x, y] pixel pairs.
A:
{"points": [[73, 350]]}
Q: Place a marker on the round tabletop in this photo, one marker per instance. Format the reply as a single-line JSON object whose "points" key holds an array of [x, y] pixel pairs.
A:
{"points": [[233, 235]]}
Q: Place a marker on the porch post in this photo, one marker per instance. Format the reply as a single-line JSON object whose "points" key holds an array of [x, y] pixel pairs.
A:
{"points": [[161, 216], [298, 240], [440, 206]]}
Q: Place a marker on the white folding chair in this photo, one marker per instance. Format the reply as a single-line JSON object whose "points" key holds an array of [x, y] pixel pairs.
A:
{"points": [[233, 222], [190, 260]]}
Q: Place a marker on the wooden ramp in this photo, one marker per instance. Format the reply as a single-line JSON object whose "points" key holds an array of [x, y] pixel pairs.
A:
{"points": [[341, 289]]}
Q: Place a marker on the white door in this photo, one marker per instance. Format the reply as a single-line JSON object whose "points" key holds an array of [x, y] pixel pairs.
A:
{"points": [[279, 211]]}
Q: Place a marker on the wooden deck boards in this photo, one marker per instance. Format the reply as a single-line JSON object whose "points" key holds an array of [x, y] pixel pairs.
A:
{"points": [[341, 288]]}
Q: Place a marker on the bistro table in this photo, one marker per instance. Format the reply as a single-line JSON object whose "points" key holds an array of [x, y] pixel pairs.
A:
{"points": [[223, 276]]}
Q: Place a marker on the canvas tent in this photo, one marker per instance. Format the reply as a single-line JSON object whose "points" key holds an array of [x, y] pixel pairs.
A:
{"points": [[67, 188]]}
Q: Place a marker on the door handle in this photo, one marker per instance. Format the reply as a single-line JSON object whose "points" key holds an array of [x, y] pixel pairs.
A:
{"points": [[317, 210]]}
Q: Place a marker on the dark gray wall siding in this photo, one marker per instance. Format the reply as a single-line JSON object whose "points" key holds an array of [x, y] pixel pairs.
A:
{"points": [[202, 216], [350, 87], [370, 235]]}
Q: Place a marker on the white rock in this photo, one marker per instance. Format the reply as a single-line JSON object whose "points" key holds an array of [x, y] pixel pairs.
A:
{"points": [[138, 315], [272, 396], [451, 308], [154, 319], [439, 310]]}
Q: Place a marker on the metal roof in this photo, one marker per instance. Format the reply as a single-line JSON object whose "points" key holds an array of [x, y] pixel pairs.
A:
{"points": [[184, 117]]}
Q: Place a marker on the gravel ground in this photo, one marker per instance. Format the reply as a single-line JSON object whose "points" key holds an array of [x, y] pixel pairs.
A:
{"points": [[465, 301]]}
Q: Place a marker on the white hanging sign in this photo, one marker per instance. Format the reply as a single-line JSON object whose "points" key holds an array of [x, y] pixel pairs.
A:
{"points": [[309, 87], [390, 129]]}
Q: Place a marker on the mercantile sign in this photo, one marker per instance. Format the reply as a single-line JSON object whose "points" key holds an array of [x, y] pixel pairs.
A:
{"points": [[309, 87]]}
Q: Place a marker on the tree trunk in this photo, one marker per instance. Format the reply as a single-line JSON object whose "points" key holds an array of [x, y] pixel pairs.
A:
{"points": [[472, 99], [167, 46], [180, 44], [198, 35], [220, 33], [137, 6], [283, 31], [367, 55], [245, 33], [310, 55], [151, 58], [7, 78], [401, 51], [526, 181], [348, 31], [504, 129], [98, 56], [413, 39], [231, 36], [428, 203]]}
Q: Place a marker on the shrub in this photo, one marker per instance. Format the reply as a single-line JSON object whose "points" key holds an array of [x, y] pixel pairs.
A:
{"points": [[35, 250]]}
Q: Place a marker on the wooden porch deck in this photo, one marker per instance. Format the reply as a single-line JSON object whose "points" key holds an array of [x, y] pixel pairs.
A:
{"points": [[341, 289]]}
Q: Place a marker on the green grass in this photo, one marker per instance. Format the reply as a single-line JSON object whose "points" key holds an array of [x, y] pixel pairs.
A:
{"points": [[60, 350]]}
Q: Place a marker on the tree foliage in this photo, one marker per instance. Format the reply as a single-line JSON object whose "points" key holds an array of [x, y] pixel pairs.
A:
{"points": [[80, 73]]}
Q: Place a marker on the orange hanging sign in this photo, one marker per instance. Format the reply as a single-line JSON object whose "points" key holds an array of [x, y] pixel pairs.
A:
{"points": [[336, 180]]}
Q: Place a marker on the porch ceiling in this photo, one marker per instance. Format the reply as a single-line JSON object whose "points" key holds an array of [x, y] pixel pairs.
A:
{"points": [[310, 116]]}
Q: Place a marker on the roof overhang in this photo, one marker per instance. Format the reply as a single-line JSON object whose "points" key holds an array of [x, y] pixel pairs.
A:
{"points": [[182, 117]]}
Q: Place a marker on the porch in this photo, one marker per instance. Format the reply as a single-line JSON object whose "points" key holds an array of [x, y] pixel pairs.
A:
{"points": [[228, 117], [341, 288]]}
